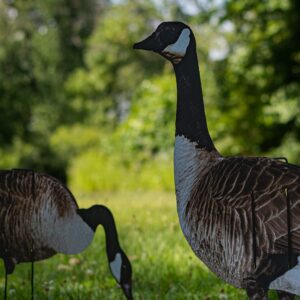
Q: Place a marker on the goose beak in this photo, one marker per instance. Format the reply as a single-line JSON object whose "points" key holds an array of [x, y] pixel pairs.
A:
{"points": [[127, 291], [139, 46], [147, 44]]}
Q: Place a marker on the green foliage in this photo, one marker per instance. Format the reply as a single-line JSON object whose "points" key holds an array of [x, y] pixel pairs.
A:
{"points": [[33, 64], [150, 126], [112, 69], [259, 78], [94, 171], [77, 102], [26, 70], [75, 20], [137, 155]]}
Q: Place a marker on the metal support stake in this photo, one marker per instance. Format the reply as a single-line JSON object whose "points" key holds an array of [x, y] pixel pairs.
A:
{"points": [[32, 279], [6, 275], [254, 245], [289, 233], [32, 249], [5, 286]]}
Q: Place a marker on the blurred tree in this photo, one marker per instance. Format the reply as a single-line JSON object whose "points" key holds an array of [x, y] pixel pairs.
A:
{"points": [[75, 20], [17, 81], [35, 58], [72, 90], [260, 77], [102, 90]]}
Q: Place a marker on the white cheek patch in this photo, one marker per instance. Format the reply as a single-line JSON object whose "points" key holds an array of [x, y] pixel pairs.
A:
{"points": [[180, 46], [115, 266]]}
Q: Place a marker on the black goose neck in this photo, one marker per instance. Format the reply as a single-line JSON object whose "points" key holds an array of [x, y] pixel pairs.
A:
{"points": [[190, 115], [101, 215]]}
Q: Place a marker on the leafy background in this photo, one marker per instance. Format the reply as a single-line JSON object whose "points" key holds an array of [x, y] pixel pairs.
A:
{"points": [[77, 102]]}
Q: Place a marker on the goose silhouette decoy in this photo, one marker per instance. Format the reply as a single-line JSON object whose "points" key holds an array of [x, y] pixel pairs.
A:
{"points": [[39, 217], [240, 215]]}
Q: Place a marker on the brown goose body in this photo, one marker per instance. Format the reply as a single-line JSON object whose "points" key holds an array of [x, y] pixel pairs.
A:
{"points": [[35, 209], [217, 218], [232, 211]]}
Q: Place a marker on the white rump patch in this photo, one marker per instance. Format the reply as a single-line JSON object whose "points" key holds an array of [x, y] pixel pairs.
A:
{"points": [[68, 234], [73, 235], [289, 281], [180, 46], [115, 266]]}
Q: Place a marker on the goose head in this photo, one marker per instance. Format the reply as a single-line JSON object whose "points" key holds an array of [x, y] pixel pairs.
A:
{"points": [[171, 40], [119, 263], [120, 268]]}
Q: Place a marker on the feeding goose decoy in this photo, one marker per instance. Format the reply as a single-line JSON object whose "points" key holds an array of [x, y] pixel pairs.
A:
{"points": [[240, 215], [39, 217]]}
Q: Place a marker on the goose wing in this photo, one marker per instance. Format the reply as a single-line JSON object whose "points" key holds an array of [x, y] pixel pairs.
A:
{"points": [[23, 184], [269, 182], [33, 209]]}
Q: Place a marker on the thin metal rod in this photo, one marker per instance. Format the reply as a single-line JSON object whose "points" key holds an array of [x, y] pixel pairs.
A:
{"points": [[32, 280], [5, 286], [254, 245], [32, 243], [33, 186], [6, 275], [289, 233]]}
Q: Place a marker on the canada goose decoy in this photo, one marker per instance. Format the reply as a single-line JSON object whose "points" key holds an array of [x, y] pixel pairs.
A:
{"points": [[240, 215], [39, 217]]}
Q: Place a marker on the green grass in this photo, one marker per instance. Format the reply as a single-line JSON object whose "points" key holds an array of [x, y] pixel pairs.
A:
{"points": [[163, 264]]}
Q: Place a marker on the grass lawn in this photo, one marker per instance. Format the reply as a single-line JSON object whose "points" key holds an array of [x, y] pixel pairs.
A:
{"points": [[164, 266]]}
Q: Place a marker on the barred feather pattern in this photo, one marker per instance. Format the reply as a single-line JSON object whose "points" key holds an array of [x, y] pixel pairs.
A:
{"points": [[217, 221], [29, 214]]}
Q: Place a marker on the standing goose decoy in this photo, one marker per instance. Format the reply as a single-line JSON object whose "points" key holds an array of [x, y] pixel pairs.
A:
{"points": [[240, 215], [39, 217]]}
